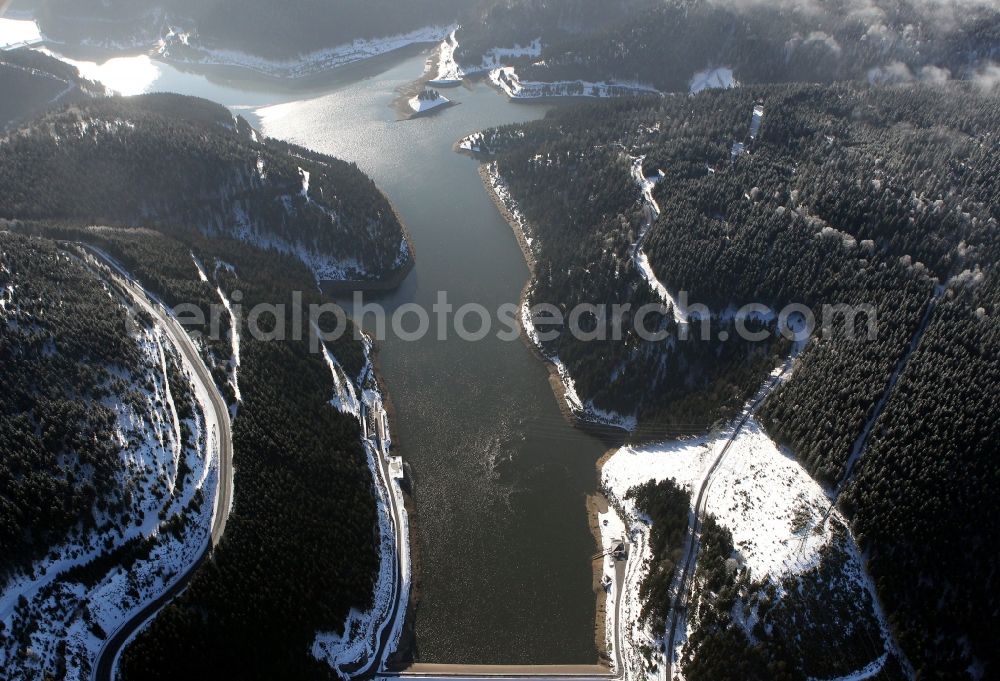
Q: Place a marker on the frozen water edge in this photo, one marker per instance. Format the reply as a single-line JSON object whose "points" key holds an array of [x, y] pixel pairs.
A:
{"points": [[356, 651]]}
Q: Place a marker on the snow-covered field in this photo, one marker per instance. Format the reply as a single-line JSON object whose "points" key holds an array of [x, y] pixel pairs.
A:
{"points": [[172, 480], [182, 47], [507, 80], [363, 631], [757, 493], [774, 510]]}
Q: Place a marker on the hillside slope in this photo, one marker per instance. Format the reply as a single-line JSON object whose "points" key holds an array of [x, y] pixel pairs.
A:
{"points": [[808, 195], [275, 31], [180, 163], [32, 82], [110, 460]]}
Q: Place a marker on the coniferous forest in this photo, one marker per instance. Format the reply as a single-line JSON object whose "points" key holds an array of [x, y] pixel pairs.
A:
{"points": [[283, 571], [847, 168], [207, 190], [61, 362], [266, 29], [848, 194], [32, 82], [181, 163], [665, 44]]}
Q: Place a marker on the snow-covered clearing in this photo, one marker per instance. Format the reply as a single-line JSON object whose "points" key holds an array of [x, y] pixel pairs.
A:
{"points": [[711, 79], [776, 513], [360, 643], [507, 80], [182, 47], [234, 340], [167, 477], [756, 120]]}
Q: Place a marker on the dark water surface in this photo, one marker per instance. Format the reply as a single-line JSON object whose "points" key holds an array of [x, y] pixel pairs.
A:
{"points": [[500, 477]]}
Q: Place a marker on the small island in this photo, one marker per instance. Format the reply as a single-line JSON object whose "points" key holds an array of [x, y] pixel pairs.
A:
{"points": [[426, 102]]}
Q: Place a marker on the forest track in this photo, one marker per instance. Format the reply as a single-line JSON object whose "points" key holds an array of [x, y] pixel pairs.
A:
{"points": [[681, 586]]}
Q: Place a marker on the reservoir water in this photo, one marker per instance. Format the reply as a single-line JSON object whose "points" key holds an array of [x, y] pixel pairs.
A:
{"points": [[500, 478]]}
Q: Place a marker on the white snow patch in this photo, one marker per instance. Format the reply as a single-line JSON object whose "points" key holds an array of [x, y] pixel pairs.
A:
{"points": [[711, 79], [641, 260], [473, 143], [234, 340], [497, 56], [418, 105], [507, 80], [756, 120], [449, 73], [175, 49], [18, 33], [234, 336]]}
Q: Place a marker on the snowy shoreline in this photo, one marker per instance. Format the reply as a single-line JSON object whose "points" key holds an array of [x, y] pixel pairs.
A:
{"points": [[178, 49], [362, 647], [182, 48], [578, 412]]}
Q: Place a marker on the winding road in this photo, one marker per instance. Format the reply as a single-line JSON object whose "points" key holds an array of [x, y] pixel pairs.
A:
{"points": [[377, 662], [104, 669]]}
